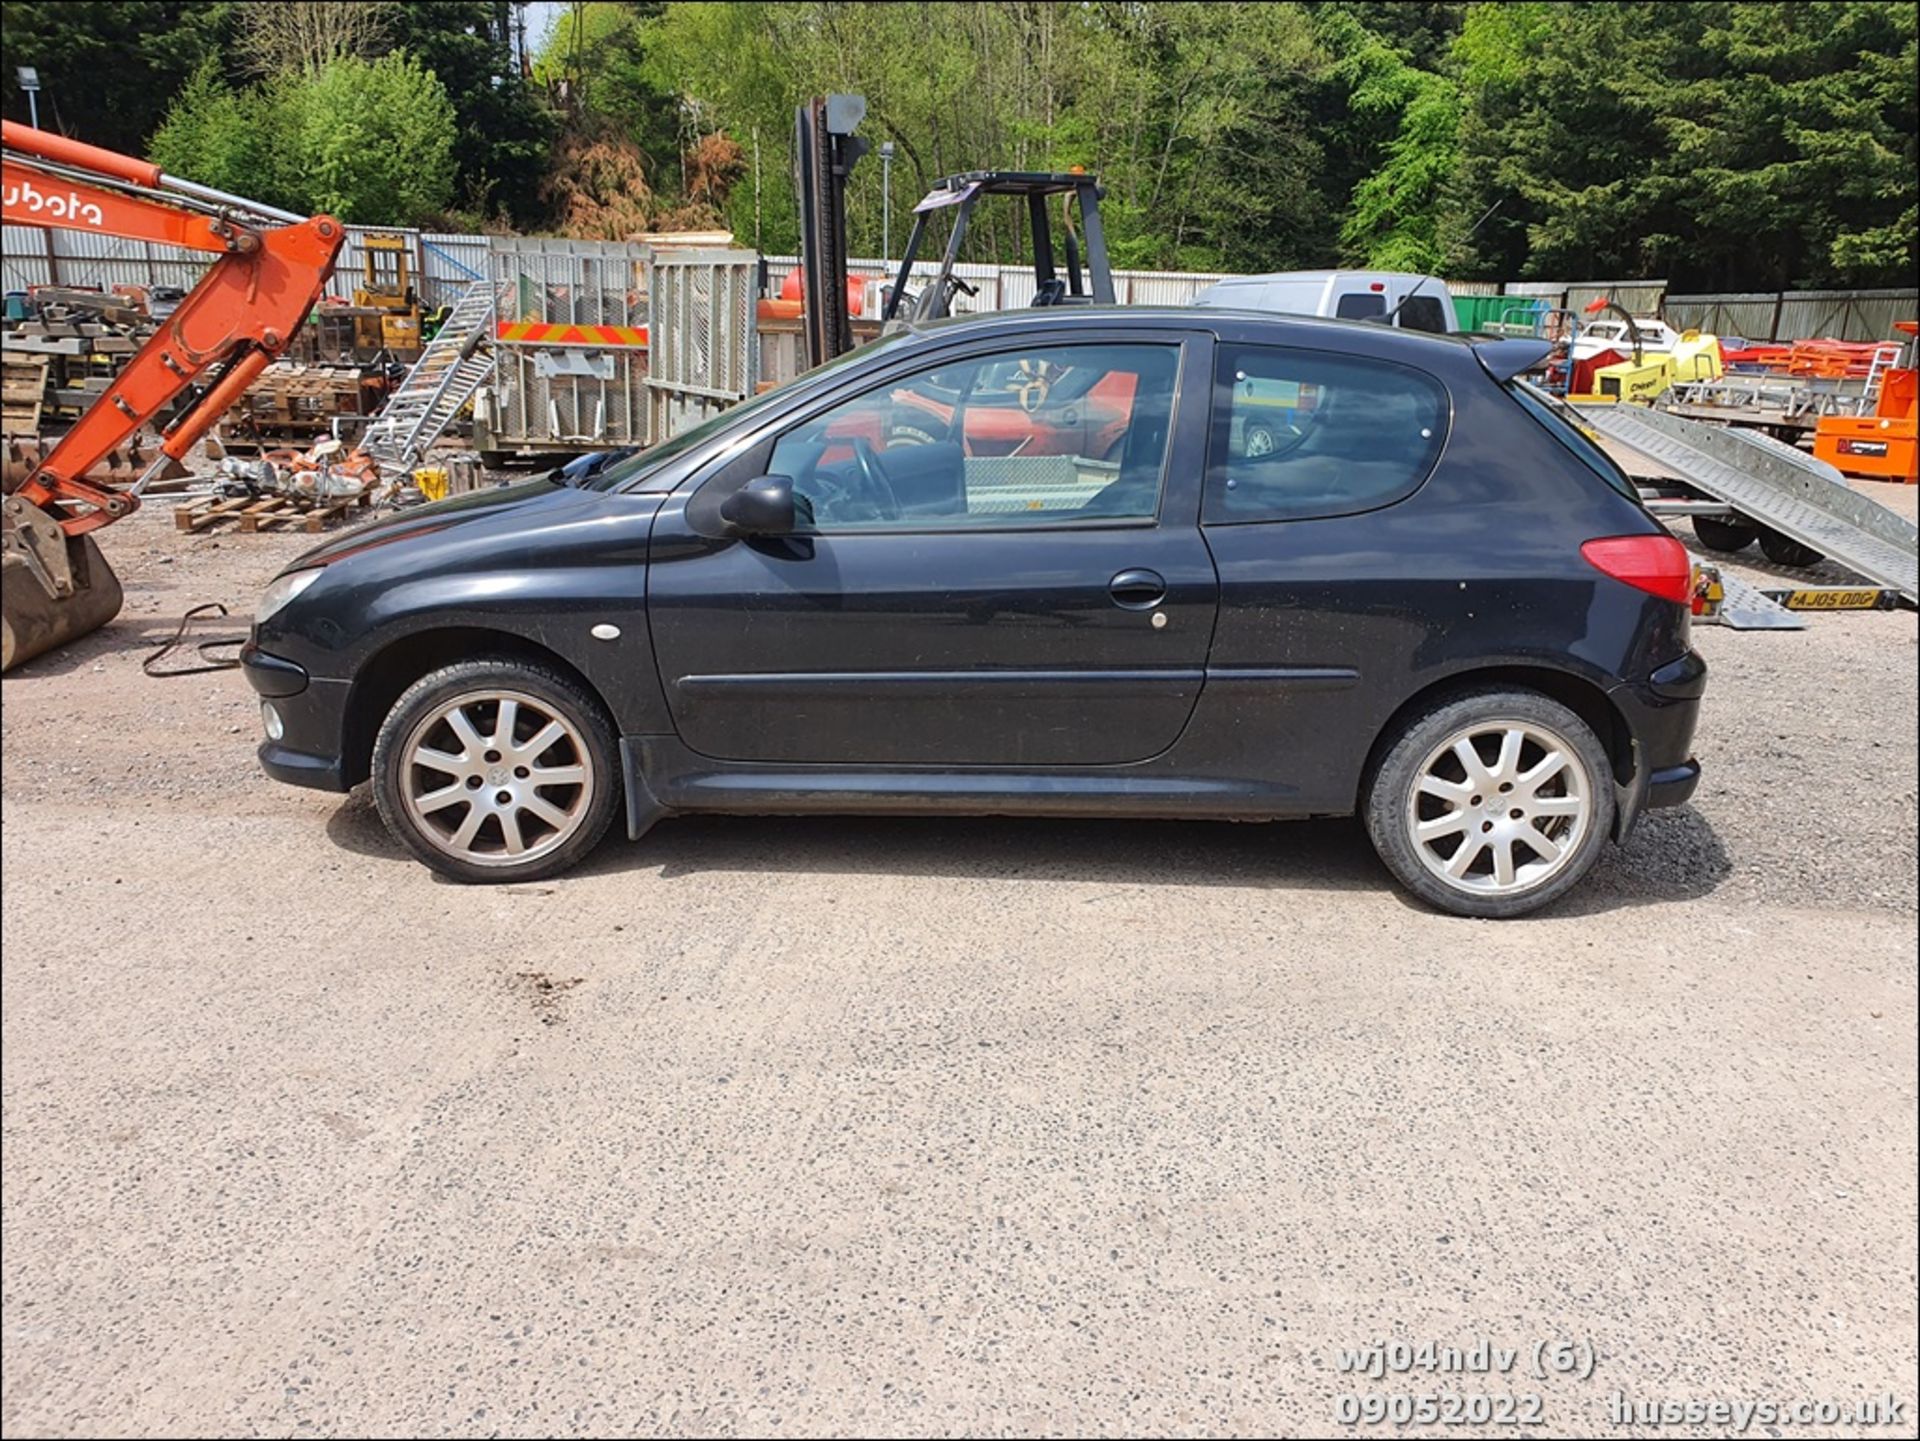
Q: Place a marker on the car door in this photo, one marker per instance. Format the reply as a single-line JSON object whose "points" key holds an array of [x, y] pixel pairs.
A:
{"points": [[1032, 605]]}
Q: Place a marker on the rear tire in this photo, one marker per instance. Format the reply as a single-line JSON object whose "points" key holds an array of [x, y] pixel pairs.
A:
{"points": [[1511, 832], [1724, 536], [1784, 550], [496, 770]]}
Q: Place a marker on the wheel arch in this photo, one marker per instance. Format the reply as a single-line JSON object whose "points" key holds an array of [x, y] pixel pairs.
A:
{"points": [[385, 675], [1585, 698]]}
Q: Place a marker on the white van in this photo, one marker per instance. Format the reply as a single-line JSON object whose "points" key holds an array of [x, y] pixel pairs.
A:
{"points": [[1424, 302]]}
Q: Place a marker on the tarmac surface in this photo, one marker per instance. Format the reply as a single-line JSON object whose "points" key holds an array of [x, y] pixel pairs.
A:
{"points": [[931, 1126]]}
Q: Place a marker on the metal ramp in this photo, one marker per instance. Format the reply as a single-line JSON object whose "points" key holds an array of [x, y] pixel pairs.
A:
{"points": [[1746, 607], [442, 381], [1802, 498]]}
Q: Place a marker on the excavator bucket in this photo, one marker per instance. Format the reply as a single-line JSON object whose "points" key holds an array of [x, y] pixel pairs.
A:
{"points": [[34, 620], [122, 465]]}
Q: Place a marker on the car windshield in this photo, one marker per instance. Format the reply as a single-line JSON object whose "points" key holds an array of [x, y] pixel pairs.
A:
{"points": [[636, 467], [1564, 425]]}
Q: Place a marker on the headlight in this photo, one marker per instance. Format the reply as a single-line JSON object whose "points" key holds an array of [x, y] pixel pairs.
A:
{"points": [[282, 591]]}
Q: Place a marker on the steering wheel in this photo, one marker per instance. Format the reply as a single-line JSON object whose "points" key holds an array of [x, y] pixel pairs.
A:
{"points": [[876, 490], [1280, 433], [1034, 385], [955, 286]]}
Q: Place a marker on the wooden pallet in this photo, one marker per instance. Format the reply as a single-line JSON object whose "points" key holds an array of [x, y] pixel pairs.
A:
{"points": [[269, 512], [23, 386]]}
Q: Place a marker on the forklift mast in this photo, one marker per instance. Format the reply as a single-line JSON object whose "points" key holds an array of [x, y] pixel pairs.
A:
{"points": [[825, 150]]}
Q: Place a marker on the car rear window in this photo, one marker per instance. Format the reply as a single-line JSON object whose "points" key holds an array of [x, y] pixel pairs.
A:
{"points": [[1359, 305], [1564, 426], [1423, 312]]}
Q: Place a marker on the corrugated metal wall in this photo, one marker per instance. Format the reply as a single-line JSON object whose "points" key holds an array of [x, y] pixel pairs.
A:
{"points": [[1731, 317], [1010, 287], [446, 263], [1845, 314]]}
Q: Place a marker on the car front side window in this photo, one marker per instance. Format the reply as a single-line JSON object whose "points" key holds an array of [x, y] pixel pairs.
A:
{"points": [[1062, 434]]}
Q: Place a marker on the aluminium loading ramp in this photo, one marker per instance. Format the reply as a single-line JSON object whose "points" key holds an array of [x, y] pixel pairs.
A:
{"points": [[1774, 484], [1747, 607], [438, 387]]}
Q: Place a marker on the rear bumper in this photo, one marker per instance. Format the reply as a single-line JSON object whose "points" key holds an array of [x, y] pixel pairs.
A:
{"points": [[1661, 712], [1673, 786], [311, 712]]}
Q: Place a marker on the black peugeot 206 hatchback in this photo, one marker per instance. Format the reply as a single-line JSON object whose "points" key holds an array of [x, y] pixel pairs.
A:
{"points": [[1124, 562]]}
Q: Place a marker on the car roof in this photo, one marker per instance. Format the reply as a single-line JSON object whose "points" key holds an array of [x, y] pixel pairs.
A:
{"points": [[1307, 330], [1460, 355]]}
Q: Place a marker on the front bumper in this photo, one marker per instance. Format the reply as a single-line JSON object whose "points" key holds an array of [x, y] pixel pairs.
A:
{"points": [[312, 713]]}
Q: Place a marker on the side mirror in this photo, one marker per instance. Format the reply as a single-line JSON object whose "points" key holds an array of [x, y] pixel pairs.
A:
{"points": [[761, 507]]}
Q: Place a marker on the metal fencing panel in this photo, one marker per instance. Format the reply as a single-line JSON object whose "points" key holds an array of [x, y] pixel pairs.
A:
{"points": [[1639, 297], [1845, 314], [1750, 316], [570, 343], [701, 336]]}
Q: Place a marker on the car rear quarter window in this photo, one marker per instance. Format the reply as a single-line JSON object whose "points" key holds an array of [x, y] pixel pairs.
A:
{"points": [[1302, 434]]}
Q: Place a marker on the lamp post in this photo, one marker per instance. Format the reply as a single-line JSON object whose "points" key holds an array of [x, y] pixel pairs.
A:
{"points": [[886, 200], [30, 82]]}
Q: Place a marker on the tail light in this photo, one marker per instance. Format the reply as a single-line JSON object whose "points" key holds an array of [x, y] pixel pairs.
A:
{"points": [[1657, 564]]}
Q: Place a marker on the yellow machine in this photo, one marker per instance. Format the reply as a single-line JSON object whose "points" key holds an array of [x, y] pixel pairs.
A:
{"points": [[1694, 357], [386, 294]]}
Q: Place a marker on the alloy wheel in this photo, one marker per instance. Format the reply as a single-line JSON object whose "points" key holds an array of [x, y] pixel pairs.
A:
{"points": [[1500, 807], [496, 777]]}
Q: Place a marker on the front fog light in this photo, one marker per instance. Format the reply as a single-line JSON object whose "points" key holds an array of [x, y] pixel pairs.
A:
{"points": [[270, 718]]}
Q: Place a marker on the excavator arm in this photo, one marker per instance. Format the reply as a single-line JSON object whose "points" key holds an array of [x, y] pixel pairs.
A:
{"points": [[241, 315]]}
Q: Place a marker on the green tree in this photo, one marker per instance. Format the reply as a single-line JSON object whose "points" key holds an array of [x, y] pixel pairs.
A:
{"points": [[504, 130], [372, 141], [368, 141], [214, 135], [1399, 132], [1189, 113], [108, 71], [1399, 220], [1721, 145]]}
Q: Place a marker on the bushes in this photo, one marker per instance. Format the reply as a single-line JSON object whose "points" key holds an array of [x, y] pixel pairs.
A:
{"points": [[370, 141]]}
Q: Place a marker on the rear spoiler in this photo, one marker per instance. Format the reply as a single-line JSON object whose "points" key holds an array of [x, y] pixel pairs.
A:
{"points": [[1507, 358]]}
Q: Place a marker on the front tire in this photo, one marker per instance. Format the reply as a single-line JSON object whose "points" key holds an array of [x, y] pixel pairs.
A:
{"points": [[1491, 803], [496, 770]]}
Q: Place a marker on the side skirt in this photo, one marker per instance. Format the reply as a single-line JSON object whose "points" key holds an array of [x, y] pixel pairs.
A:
{"points": [[663, 777]]}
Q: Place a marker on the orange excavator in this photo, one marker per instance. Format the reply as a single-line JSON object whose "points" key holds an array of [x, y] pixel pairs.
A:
{"points": [[271, 269]]}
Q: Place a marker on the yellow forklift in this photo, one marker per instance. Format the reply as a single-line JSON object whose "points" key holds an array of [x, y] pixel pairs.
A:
{"points": [[389, 306]]}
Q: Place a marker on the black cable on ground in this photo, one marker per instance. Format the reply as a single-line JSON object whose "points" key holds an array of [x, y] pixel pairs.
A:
{"points": [[205, 647]]}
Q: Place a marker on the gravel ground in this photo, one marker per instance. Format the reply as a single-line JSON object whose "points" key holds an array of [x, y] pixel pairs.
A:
{"points": [[917, 1126]]}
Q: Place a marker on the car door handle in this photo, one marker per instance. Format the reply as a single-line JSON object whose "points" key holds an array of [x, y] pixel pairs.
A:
{"points": [[1137, 589]]}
